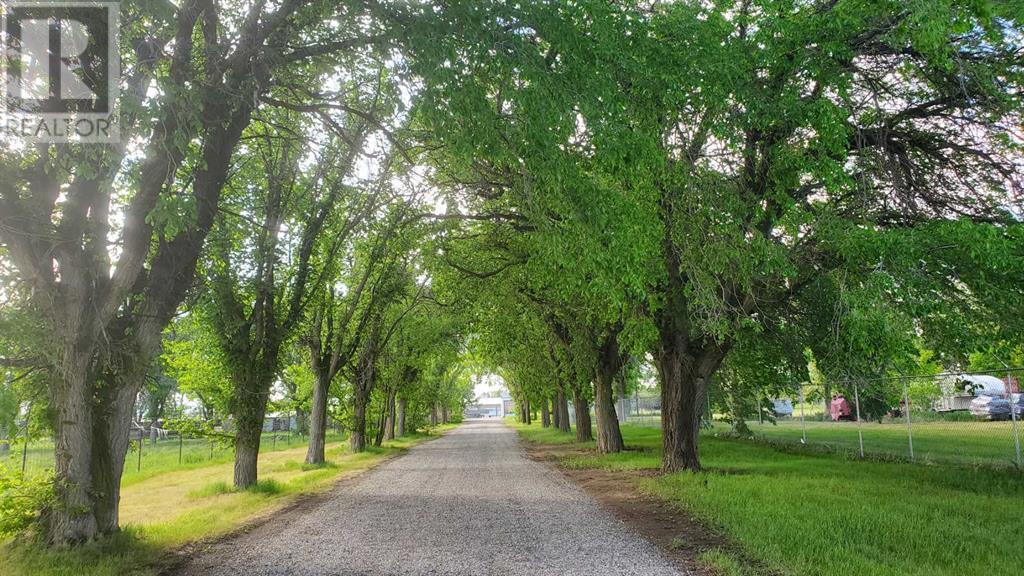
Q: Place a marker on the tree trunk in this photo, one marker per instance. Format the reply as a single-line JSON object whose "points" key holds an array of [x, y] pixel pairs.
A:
{"points": [[562, 412], [444, 413], [366, 378], [389, 420], [433, 414], [73, 517], [318, 419], [684, 385], [584, 433], [249, 410], [357, 439], [110, 437], [402, 405], [545, 415], [609, 363], [609, 437], [556, 414], [378, 438], [361, 401]]}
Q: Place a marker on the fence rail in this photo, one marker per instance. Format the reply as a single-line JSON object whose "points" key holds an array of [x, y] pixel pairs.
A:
{"points": [[947, 419], [36, 455]]}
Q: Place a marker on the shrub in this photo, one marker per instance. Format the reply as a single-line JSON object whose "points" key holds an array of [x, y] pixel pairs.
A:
{"points": [[22, 499]]}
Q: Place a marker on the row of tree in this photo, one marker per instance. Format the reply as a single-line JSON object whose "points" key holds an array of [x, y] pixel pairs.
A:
{"points": [[554, 190], [732, 191]]}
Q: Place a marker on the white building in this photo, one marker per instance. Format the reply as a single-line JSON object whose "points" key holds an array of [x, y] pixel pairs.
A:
{"points": [[487, 407]]}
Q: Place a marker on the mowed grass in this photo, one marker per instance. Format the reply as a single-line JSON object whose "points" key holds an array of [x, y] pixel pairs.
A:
{"points": [[825, 514], [164, 456], [168, 510], [975, 443], [970, 442]]}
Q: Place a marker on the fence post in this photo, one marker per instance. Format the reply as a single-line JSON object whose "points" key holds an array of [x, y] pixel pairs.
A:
{"points": [[181, 444], [803, 425], [910, 426], [1013, 417], [860, 429]]}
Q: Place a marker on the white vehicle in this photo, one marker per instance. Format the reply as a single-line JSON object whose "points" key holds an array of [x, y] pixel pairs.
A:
{"points": [[960, 390]]}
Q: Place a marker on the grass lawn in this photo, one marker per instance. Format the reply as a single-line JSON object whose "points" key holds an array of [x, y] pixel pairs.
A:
{"points": [[164, 511], [969, 442], [160, 457], [981, 443], [812, 514]]}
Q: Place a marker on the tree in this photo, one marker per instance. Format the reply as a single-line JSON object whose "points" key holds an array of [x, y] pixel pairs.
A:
{"points": [[300, 220], [208, 64], [781, 154]]}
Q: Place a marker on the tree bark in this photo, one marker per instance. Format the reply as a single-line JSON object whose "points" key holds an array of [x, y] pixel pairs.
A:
{"points": [[73, 517], [609, 363], [545, 414], [402, 406], [444, 413], [556, 413], [433, 414], [357, 439], [609, 437], [378, 438], [249, 408], [684, 379], [366, 377], [562, 409], [389, 421], [584, 433], [318, 419]]}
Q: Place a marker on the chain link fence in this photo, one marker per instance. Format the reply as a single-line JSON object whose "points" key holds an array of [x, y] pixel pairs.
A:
{"points": [[168, 452], [963, 419]]}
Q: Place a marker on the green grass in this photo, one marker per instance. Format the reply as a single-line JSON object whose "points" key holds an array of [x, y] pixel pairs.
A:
{"points": [[162, 457], [534, 433], [721, 563], [825, 514], [973, 443], [167, 510], [949, 439]]}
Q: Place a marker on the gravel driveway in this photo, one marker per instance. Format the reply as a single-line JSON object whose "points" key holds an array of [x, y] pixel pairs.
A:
{"points": [[470, 502]]}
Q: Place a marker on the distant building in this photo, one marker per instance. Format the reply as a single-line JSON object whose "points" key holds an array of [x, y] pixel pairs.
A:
{"points": [[279, 422], [486, 408]]}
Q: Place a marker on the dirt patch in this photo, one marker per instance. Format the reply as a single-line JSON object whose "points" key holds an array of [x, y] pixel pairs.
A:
{"points": [[680, 536]]}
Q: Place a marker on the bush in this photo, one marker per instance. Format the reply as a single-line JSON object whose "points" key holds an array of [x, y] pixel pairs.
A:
{"points": [[22, 500]]}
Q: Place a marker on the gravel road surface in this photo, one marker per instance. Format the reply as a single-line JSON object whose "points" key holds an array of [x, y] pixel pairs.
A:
{"points": [[470, 502]]}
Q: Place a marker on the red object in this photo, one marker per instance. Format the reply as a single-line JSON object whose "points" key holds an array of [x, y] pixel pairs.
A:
{"points": [[839, 409]]}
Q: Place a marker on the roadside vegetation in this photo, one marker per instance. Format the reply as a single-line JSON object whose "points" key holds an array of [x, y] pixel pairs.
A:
{"points": [[165, 512], [821, 514]]}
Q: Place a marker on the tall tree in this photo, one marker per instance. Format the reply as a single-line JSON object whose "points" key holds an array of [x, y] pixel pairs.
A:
{"points": [[749, 162], [109, 240]]}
